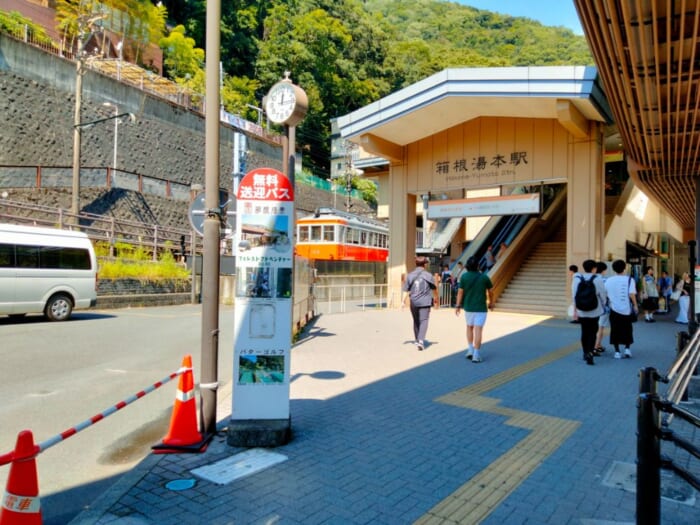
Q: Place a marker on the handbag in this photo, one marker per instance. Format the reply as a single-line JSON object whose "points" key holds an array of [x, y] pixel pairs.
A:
{"points": [[675, 295]]}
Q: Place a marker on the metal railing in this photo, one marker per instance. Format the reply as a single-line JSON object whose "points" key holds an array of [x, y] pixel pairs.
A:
{"points": [[331, 299], [653, 429], [101, 228]]}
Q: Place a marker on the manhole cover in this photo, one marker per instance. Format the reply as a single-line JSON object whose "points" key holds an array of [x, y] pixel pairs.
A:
{"points": [[238, 466]]}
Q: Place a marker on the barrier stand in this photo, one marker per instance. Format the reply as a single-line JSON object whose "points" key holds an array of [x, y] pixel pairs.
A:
{"points": [[20, 502], [183, 435]]}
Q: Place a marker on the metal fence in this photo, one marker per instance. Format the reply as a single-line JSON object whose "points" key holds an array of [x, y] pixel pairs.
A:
{"points": [[654, 417], [333, 299], [102, 228]]}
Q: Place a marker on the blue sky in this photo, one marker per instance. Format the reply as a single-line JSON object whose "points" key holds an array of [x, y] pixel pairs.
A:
{"points": [[547, 12]]}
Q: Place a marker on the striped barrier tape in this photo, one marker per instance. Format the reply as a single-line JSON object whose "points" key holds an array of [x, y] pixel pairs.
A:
{"points": [[41, 447]]}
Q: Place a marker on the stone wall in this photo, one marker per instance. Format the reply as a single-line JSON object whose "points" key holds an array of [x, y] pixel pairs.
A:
{"points": [[37, 102]]}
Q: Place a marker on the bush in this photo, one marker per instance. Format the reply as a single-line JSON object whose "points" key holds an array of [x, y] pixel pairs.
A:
{"points": [[135, 263]]}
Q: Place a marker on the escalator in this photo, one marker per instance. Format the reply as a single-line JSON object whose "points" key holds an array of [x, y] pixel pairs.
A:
{"points": [[531, 276]]}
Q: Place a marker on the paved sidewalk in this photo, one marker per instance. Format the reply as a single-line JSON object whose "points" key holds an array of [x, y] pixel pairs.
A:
{"points": [[385, 434]]}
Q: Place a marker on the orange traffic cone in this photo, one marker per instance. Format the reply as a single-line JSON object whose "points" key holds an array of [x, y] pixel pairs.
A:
{"points": [[20, 503], [183, 435]]}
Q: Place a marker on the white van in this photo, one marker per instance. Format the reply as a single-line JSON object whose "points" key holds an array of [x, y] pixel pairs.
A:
{"points": [[46, 270]]}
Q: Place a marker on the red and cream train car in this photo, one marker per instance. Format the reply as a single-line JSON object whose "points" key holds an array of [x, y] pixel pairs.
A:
{"points": [[333, 235]]}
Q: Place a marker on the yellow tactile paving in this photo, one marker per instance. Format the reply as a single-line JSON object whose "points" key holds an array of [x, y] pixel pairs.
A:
{"points": [[475, 500]]}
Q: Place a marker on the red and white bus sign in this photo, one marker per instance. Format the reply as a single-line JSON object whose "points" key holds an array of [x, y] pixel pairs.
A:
{"points": [[264, 281]]}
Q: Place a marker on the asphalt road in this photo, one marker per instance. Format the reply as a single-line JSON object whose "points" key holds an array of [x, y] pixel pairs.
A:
{"points": [[56, 375]]}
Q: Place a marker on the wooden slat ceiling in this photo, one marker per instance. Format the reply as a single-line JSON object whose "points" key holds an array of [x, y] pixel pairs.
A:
{"points": [[648, 57]]}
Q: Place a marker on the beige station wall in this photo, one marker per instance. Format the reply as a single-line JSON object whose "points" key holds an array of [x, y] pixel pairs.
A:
{"points": [[489, 152]]}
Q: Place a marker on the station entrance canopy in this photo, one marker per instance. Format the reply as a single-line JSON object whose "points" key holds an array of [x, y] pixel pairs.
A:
{"points": [[572, 95]]}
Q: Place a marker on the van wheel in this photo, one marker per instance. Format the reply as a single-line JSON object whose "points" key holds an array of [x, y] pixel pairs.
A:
{"points": [[58, 308]]}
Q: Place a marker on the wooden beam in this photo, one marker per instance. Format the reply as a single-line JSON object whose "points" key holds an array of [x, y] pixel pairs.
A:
{"points": [[572, 119], [381, 147]]}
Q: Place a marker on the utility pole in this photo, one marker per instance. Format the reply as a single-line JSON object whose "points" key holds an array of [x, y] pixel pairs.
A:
{"points": [[350, 171], [212, 233], [84, 26]]}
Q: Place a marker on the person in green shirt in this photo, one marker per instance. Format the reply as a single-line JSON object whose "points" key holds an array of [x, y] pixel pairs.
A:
{"points": [[474, 290]]}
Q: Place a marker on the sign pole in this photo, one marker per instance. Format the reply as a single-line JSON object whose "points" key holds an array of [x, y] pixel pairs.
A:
{"points": [[210, 256]]}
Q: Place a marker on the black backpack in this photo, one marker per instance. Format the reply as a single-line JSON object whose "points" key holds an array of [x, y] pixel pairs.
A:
{"points": [[586, 299]]}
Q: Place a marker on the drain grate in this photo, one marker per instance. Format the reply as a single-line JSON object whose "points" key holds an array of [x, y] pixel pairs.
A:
{"points": [[238, 466]]}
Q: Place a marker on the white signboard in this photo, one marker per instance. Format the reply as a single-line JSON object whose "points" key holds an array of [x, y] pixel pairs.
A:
{"points": [[520, 204], [263, 313]]}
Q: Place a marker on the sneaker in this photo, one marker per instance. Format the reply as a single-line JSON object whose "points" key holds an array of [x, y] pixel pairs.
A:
{"points": [[618, 355], [420, 345], [476, 358], [469, 355], [628, 354]]}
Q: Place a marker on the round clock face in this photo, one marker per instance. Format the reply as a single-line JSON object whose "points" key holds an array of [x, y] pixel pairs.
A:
{"points": [[281, 102]]}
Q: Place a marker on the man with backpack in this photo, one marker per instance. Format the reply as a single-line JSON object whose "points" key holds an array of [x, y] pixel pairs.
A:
{"points": [[590, 296]]}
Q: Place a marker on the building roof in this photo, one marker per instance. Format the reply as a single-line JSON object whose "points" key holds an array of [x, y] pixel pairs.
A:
{"points": [[456, 95], [648, 56]]}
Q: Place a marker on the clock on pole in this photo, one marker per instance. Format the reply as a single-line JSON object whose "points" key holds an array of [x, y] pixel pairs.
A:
{"points": [[286, 103]]}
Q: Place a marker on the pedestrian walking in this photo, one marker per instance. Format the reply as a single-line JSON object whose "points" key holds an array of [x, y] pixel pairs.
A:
{"points": [[665, 290], [622, 297], [475, 298], [604, 319], [684, 286], [590, 307], [456, 274], [419, 289], [650, 295], [571, 311]]}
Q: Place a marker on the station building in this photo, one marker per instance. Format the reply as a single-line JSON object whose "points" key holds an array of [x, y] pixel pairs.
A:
{"points": [[589, 141]]}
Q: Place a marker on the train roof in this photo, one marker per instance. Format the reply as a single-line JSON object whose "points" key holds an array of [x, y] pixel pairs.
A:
{"points": [[326, 213]]}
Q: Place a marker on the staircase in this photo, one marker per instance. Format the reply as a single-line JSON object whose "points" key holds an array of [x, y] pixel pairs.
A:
{"points": [[540, 286]]}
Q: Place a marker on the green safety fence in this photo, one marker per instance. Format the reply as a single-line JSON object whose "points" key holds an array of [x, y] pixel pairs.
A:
{"points": [[323, 184]]}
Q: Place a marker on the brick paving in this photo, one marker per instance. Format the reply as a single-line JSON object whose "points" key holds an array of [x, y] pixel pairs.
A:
{"points": [[384, 434]]}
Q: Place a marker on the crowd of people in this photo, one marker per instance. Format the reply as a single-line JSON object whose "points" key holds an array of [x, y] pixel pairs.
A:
{"points": [[599, 301]]}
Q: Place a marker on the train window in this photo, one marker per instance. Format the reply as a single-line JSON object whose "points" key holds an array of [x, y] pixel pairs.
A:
{"points": [[303, 233], [341, 234], [316, 233], [363, 237], [328, 233], [353, 236]]}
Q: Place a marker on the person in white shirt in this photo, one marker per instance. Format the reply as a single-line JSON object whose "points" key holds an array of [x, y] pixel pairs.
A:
{"points": [[622, 298]]}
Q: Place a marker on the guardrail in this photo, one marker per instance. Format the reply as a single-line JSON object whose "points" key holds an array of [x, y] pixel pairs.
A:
{"points": [[331, 298], [102, 228], [652, 430]]}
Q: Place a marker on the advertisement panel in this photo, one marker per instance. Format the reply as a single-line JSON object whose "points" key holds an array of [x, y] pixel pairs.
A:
{"points": [[264, 280]]}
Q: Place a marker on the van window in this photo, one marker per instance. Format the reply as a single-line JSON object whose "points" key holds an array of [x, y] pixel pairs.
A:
{"points": [[7, 256], [44, 257]]}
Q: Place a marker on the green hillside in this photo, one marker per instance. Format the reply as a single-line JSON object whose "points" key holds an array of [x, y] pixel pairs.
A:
{"points": [[349, 53]]}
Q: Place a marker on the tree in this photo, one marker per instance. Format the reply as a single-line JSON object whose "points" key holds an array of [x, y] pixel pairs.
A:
{"points": [[181, 59]]}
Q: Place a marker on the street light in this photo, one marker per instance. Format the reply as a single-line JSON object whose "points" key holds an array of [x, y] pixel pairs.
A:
{"points": [[116, 136]]}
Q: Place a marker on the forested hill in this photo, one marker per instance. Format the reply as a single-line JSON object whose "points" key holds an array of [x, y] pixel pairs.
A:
{"points": [[349, 53]]}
